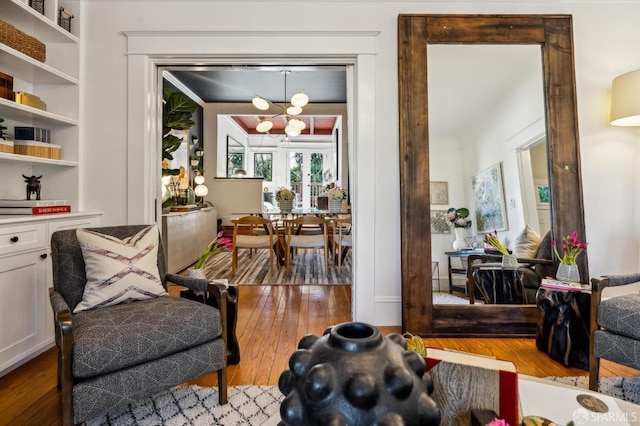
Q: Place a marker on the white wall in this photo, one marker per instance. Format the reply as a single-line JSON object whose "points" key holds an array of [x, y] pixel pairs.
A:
{"points": [[604, 35]]}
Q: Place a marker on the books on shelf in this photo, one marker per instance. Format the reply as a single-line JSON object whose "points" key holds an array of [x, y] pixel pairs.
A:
{"points": [[464, 382], [32, 203], [554, 284], [35, 210]]}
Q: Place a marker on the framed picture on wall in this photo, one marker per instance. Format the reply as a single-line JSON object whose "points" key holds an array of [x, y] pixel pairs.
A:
{"points": [[439, 193], [488, 193], [543, 195], [439, 223]]}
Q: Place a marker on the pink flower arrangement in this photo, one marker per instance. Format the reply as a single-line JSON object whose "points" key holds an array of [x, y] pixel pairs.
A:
{"points": [[218, 245], [459, 217], [571, 249]]}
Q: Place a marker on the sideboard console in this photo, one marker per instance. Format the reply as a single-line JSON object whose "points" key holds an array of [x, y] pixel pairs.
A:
{"points": [[185, 235]]}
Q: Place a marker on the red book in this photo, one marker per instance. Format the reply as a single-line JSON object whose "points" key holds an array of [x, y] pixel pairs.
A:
{"points": [[465, 382], [35, 210]]}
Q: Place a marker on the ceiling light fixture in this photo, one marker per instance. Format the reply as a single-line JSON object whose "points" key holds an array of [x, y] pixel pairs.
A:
{"points": [[290, 111]]}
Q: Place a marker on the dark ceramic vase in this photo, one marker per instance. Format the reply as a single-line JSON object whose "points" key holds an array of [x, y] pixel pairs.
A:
{"points": [[352, 375]]}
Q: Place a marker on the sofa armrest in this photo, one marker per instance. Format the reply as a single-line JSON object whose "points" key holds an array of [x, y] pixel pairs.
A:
{"points": [[63, 324]]}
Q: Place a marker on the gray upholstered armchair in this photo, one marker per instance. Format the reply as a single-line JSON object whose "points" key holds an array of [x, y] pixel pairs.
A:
{"points": [[112, 356], [615, 326]]}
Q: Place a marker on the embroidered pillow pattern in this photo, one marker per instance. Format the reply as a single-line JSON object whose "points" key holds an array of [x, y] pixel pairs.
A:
{"points": [[119, 271]]}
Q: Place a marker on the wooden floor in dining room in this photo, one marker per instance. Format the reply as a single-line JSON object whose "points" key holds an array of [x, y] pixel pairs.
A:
{"points": [[271, 321]]}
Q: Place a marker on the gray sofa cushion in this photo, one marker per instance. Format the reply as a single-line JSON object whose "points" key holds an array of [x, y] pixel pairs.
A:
{"points": [[116, 337], [95, 396], [617, 348], [621, 315]]}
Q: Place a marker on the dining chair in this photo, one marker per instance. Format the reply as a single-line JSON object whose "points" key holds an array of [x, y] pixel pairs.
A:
{"points": [[294, 239], [253, 232], [341, 237]]}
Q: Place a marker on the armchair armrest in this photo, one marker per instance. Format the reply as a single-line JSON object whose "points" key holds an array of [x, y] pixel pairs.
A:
{"points": [[63, 324]]}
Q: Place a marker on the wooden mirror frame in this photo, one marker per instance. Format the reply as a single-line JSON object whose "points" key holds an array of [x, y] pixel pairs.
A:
{"points": [[554, 34]]}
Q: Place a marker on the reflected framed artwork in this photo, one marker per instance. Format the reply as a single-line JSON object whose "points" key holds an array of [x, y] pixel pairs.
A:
{"points": [[439, 223], [543, 195], [488, 195], [439, 193]]}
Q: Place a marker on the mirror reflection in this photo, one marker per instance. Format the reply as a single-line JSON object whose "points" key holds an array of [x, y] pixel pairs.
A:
{"points": [[235, 158], [488, 154]]}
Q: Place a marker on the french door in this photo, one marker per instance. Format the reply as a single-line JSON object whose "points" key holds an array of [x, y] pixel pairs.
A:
{"points": [[306, 167]]}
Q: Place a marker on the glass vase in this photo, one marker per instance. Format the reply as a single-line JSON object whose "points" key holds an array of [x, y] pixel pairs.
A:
{"points": [[569, 273]]}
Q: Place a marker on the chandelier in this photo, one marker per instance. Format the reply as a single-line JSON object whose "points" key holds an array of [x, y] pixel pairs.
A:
{"points": [[290, 111]]}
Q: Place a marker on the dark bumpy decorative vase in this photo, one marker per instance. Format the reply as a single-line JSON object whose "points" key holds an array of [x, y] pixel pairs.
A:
{"points": [[352, 375]]}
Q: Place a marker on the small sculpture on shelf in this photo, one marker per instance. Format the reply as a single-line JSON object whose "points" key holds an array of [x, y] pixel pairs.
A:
{"points": [[33, 186]]}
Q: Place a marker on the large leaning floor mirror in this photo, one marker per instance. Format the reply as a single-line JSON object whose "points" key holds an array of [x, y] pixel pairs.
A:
{"points": [[488, 123]]}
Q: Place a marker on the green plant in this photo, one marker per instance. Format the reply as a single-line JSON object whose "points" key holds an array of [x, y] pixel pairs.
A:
{"points": [[284, 194], [3, 134], [177, 112], [218, 245]]}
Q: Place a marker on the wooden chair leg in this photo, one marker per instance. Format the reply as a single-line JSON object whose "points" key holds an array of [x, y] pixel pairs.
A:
{"points": [[222, 386]]}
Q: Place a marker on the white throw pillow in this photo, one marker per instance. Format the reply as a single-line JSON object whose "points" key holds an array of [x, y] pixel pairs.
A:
{"points": [[119, 271], [527, 243]]}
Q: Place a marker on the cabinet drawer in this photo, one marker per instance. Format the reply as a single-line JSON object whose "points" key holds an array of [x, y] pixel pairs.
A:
{"points": [[16, 238], [79, 222]]}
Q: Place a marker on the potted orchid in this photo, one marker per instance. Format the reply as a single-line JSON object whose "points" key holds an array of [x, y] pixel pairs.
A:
{"points": [[571, 249]]}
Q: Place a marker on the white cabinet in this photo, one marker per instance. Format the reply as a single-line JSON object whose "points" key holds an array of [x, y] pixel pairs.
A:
{"points": [[186, 235], [57, 83], [25, 279]]}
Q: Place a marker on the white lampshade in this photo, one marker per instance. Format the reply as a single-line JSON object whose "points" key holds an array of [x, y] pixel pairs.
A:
{"points": [[260, 103], [625, 100], [300, 99], [294, 110], [297, 123], [201, 190], [292, 131], [264, 126], [199, 180]]}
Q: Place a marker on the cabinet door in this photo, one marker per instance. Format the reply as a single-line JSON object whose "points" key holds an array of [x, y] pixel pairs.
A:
{"points": [[22, 308]]}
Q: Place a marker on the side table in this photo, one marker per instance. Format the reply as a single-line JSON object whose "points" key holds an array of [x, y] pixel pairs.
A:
{"points": [[563, 326], [498, 285], [232, 318]]}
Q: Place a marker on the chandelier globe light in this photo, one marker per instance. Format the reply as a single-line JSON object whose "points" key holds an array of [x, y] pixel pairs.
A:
{"points": [[290, 111]]}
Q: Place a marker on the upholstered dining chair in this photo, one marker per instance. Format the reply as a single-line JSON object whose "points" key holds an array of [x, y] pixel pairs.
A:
{"points": [[120, 335], [614, 324], [341, 237], [294, 239], [253, 232]]}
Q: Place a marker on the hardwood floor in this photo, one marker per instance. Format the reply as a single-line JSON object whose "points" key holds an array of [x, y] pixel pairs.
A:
{"points": [[271, 320]]}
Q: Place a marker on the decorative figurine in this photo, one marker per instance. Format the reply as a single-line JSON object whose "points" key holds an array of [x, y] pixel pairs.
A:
{"points": [[33, 186], [352, 375]]}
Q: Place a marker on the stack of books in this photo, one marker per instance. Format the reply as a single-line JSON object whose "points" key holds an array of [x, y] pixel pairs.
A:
{"points": [[34, 207], [553, 284]]}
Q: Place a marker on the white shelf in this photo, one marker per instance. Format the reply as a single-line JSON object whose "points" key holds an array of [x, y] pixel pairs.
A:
{"points": [[34, 116], [27, 20], [18, 64], [36, 160]]}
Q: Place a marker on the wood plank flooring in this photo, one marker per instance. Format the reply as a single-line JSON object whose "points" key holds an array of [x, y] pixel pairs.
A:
{"points": [[271, 321]]}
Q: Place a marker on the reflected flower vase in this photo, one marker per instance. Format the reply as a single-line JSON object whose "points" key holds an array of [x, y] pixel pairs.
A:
{"points": [[459, 243], [335, 205], [352, 375], [285, 205], [569, 273], [509, 261]]}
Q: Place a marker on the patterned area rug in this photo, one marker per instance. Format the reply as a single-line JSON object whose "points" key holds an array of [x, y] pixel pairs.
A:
{"points": [[198, 406], [625, 388], [442, 298], [307, 268]]}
